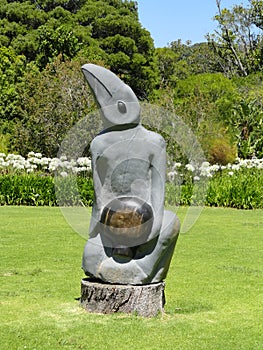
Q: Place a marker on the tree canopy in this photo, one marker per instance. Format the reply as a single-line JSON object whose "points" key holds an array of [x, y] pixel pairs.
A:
{"points": [[107, 30], [214, 86], [237, 44]]}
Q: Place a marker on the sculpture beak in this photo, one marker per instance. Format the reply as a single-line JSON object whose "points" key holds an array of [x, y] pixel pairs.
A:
{"points": [[118, 103], [100, 82]]}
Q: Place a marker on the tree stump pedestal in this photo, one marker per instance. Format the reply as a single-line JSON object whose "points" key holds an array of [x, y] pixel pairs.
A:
{"points": [[144, 300]]}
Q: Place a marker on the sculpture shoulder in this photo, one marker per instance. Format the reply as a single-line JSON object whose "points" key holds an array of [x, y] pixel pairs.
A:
{"points": [[102, 141], [98, 144], [153, 137]]}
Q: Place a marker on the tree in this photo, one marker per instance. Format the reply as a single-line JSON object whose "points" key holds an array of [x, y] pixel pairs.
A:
{"points": [[257, 12], [51, 102], [54, 42], [11, 72], [179, 61], [167, 64], [43, 29], [237, 46]]}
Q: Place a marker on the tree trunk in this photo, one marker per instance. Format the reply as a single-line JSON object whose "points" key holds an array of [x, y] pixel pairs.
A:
{"points": [[143, 300]]}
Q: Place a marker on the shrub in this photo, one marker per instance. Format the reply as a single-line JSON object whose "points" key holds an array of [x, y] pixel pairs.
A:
{"points": [[242, 189], [221, 151], [27, 190], [30, 182], [238, 185], [39, 190]]}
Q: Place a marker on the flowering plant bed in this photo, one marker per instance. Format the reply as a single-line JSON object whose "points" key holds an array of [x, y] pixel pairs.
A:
{"points": [[30, 181], [238, 185]]}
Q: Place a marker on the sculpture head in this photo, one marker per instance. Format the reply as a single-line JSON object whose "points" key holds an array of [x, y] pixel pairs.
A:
{"points": [[118, 103]]}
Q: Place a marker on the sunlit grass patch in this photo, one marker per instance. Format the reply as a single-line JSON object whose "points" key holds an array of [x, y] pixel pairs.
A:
{"points": [[213, 288]]}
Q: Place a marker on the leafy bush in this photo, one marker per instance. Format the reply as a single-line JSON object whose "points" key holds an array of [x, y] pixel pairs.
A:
{"points": [[27, 190], [248, 120], [39, 190], [221, 151], [31, 182], [238, 185], [241, 190], [74, 190]]}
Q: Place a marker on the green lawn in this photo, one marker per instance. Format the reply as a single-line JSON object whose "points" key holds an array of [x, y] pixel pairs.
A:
{"points": [[214, 288]]}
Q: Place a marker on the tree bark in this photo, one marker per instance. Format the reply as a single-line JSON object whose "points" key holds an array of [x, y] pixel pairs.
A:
{"points": [[143, 300]]}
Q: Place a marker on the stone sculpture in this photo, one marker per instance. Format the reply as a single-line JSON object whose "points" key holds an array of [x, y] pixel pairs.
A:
{"points": [[131, 236]]}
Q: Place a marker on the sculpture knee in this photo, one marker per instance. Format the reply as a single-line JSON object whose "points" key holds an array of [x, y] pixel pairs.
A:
{"points": [[170, 226]]}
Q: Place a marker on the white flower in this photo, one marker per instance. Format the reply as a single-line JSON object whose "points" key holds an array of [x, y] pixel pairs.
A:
{"points": [[66, 164], [190, 167], [64, 173], [18, 166], [74, 170], [196, 178], [231, 173], [38, 155], [83, 168], [235, 167], [214, 167], [177, 165], [205, 165], [31, 154], [242, 163], [54, 164], [35, 160], [44, 162], [14, 157], [171, 175], [205, 172], [84, 161]]}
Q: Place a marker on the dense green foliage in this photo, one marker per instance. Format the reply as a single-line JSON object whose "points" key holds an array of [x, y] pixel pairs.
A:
{"points": [[242, 190], [42, 47], [50, 103], [238, 46], [101, 30], [213, 288], [225, 114], [37, 190], [214, 86]]}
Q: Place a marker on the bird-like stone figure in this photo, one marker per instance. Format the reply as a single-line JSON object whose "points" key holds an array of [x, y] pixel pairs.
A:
{"points": [[131, 236]]}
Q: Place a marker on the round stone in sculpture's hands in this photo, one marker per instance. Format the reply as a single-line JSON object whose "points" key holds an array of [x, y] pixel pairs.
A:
{"points": [[129, 217]]}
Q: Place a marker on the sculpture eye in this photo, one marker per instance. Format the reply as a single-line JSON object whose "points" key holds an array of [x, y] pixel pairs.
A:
{"points": [[122, 107]]}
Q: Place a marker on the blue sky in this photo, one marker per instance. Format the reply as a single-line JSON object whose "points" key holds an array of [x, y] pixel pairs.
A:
{"points": [[169, 20]]}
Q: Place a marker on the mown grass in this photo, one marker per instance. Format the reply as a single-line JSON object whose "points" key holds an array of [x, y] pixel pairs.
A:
{"points": [[213, 290]]}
